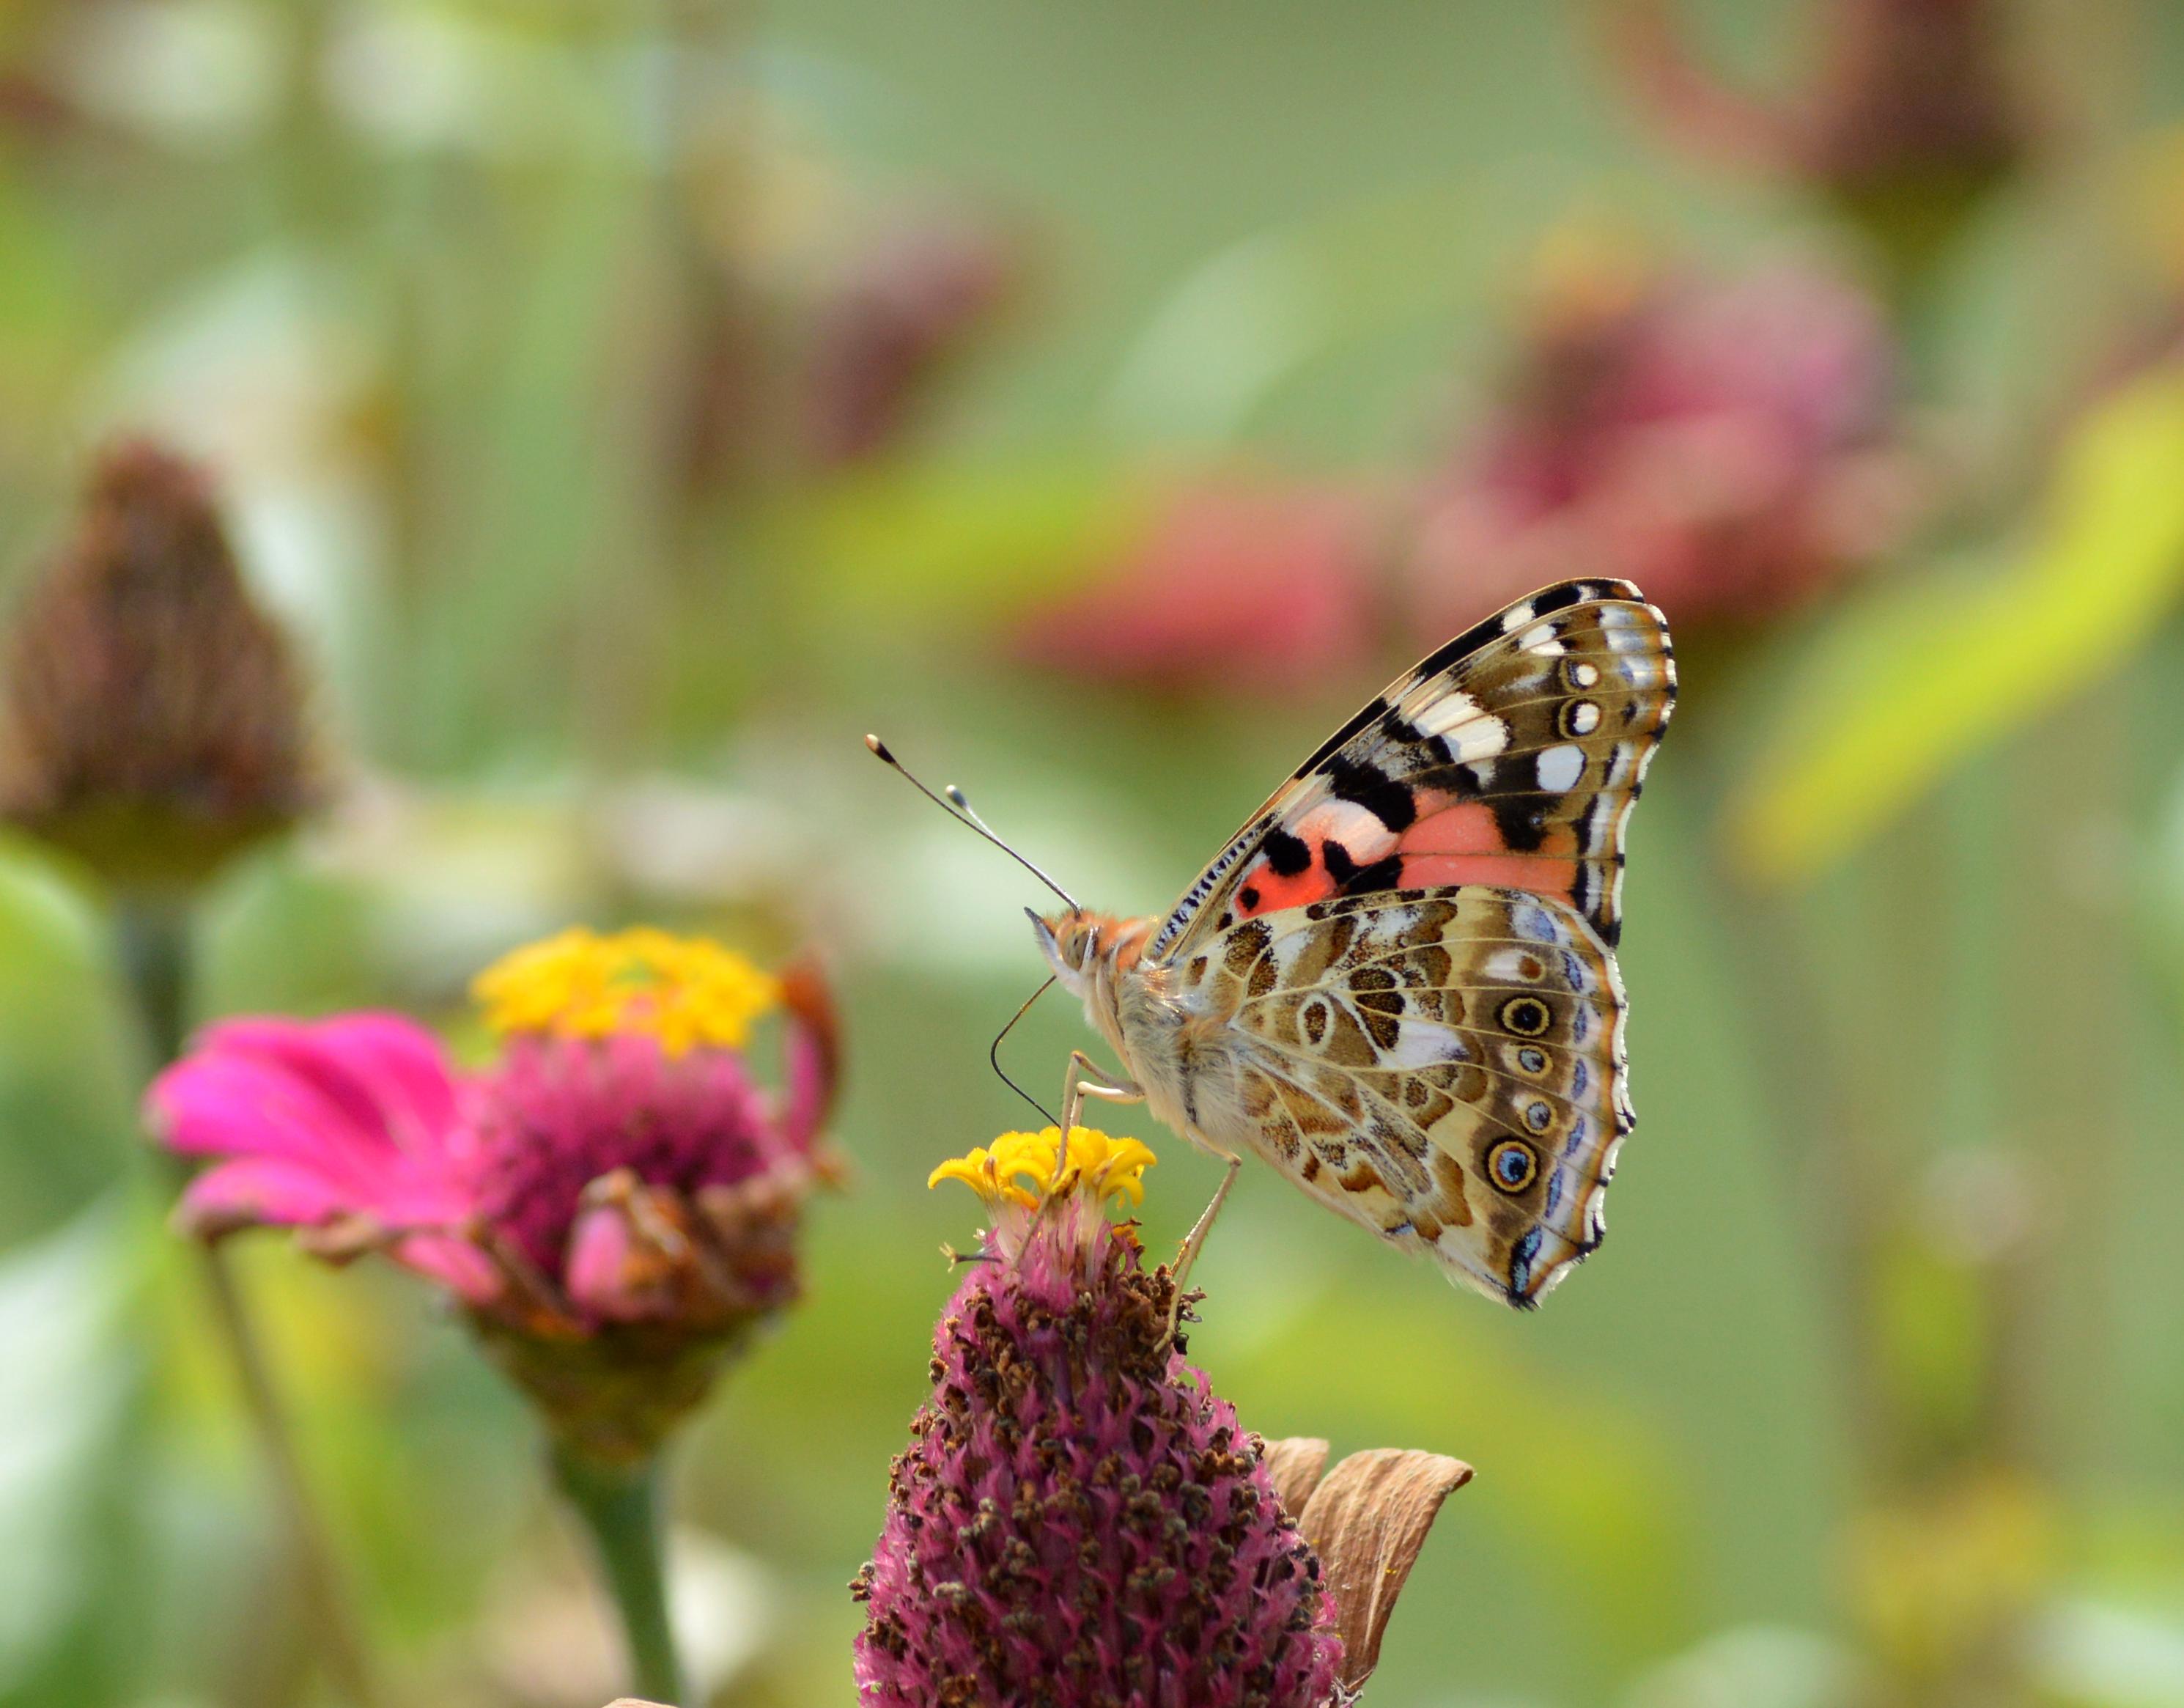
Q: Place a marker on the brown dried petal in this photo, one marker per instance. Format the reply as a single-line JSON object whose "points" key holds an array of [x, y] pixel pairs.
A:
{"points": [[1296, 1463], [1368, 1521]]}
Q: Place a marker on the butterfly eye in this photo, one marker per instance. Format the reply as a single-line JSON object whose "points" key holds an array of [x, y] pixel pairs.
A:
{"points": [[1528, 1017], [1512, 1165]]}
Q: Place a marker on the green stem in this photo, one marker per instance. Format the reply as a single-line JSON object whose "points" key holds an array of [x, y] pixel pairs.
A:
{"points": [[619, 1506], [155, 961]]}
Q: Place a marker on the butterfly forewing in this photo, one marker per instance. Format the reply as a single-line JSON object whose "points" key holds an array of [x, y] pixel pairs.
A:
{"points": [[1445, 1065], [1510, 757]]}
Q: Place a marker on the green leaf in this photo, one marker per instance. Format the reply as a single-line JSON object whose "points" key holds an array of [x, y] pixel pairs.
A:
{"points": [[1927, 669]]}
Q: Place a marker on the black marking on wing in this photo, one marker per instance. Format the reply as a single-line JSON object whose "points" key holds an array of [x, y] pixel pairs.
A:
{"points": [[1365, 784], [1286, 854]]}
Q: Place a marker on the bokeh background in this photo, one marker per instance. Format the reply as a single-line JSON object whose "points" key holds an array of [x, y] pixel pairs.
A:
{"points": [[628, 405]]}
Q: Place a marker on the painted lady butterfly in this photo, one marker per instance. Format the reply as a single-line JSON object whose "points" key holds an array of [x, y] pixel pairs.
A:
{"points": [[1397, 983]]}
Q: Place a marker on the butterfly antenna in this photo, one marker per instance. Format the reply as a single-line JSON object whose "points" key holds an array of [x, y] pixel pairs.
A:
{"points": [[962, 803], [993, 1055], [956, 807]]}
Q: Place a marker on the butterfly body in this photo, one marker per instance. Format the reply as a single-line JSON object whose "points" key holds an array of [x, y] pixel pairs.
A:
{"points": [[1396, 985]]}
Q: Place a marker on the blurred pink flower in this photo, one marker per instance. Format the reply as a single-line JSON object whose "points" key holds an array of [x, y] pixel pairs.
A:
{"points": [[903, 309], [1911, 116], [1237, 584], [1916, 99], [616, 1172], [1727, 446]]}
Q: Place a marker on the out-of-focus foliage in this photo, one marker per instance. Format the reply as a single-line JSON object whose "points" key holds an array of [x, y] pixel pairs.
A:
{"points": [[1905, 683], [629, 405]]}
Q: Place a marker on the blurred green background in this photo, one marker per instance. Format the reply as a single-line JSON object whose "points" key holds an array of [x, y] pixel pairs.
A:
{"points": [[630, 405]]}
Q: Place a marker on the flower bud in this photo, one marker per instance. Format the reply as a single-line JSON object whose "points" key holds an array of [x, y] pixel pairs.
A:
{"points": [[152, 718]]}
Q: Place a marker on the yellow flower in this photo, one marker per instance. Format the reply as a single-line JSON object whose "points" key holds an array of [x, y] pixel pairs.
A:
{"points": [[684, 991], [1100, 1166]]}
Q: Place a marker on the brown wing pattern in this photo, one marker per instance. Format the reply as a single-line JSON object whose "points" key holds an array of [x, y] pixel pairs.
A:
{"points": [[1510, 757], [1445, 1066]]}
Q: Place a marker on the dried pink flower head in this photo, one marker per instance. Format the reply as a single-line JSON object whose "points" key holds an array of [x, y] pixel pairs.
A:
{"points": [[1237, 585], [1915, 99], [152, 720], [1079, 1519], [614, 1201], [905, 307], [1911, 120], [1731, 447]]}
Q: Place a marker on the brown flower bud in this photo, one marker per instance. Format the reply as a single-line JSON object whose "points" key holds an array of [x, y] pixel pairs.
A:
{"points": [[1912, 119], [151, 715]]}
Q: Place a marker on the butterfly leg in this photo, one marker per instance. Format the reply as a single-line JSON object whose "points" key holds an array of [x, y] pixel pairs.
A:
{"points": [[1194, 1240], [1075, 1088]]}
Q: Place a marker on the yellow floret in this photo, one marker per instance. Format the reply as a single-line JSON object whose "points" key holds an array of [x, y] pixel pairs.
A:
{"points": [[685, 992], [1100, 1166]]}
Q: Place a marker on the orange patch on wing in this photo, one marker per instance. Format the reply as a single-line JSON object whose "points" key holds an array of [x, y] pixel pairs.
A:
{"points": [[1462, 844], [1263, 889]]}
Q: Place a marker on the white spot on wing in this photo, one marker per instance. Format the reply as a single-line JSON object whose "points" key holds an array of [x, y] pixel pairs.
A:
{"points": [[1559, 769], [1541, 642], [1421, 1044], [1471, 733], [1584, 717], [1504, 963], [1363, 837], [1534, 922], [1444, 713]]}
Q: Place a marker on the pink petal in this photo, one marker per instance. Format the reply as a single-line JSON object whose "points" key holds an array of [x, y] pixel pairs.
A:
{"points": [[454, 1263], [601, 1277], [260, 1190], [385, 1072], [811, 1047], [359, 1107]]}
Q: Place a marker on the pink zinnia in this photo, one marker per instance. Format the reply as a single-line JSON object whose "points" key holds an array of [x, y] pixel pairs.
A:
{"points": [[1732, 448], [1247, 584], [614, 1201]]}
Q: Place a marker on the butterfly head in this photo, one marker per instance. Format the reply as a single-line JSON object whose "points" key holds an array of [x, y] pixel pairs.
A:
{"points": [[1070, 940], [1085, 948]]}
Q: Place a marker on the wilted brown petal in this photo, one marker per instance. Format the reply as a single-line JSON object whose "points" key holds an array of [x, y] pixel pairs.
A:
{"points": [[1296, 1463], [1368, 1521]]}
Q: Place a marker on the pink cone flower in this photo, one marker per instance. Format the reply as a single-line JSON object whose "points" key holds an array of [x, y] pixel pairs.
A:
{"points": [[1730, 447], [1079, 1519], [1238, 584], [614, 1201]]}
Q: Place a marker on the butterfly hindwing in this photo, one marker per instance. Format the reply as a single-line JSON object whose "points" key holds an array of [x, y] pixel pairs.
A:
{"points": [[1445, 1066], [1510, 757]]}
